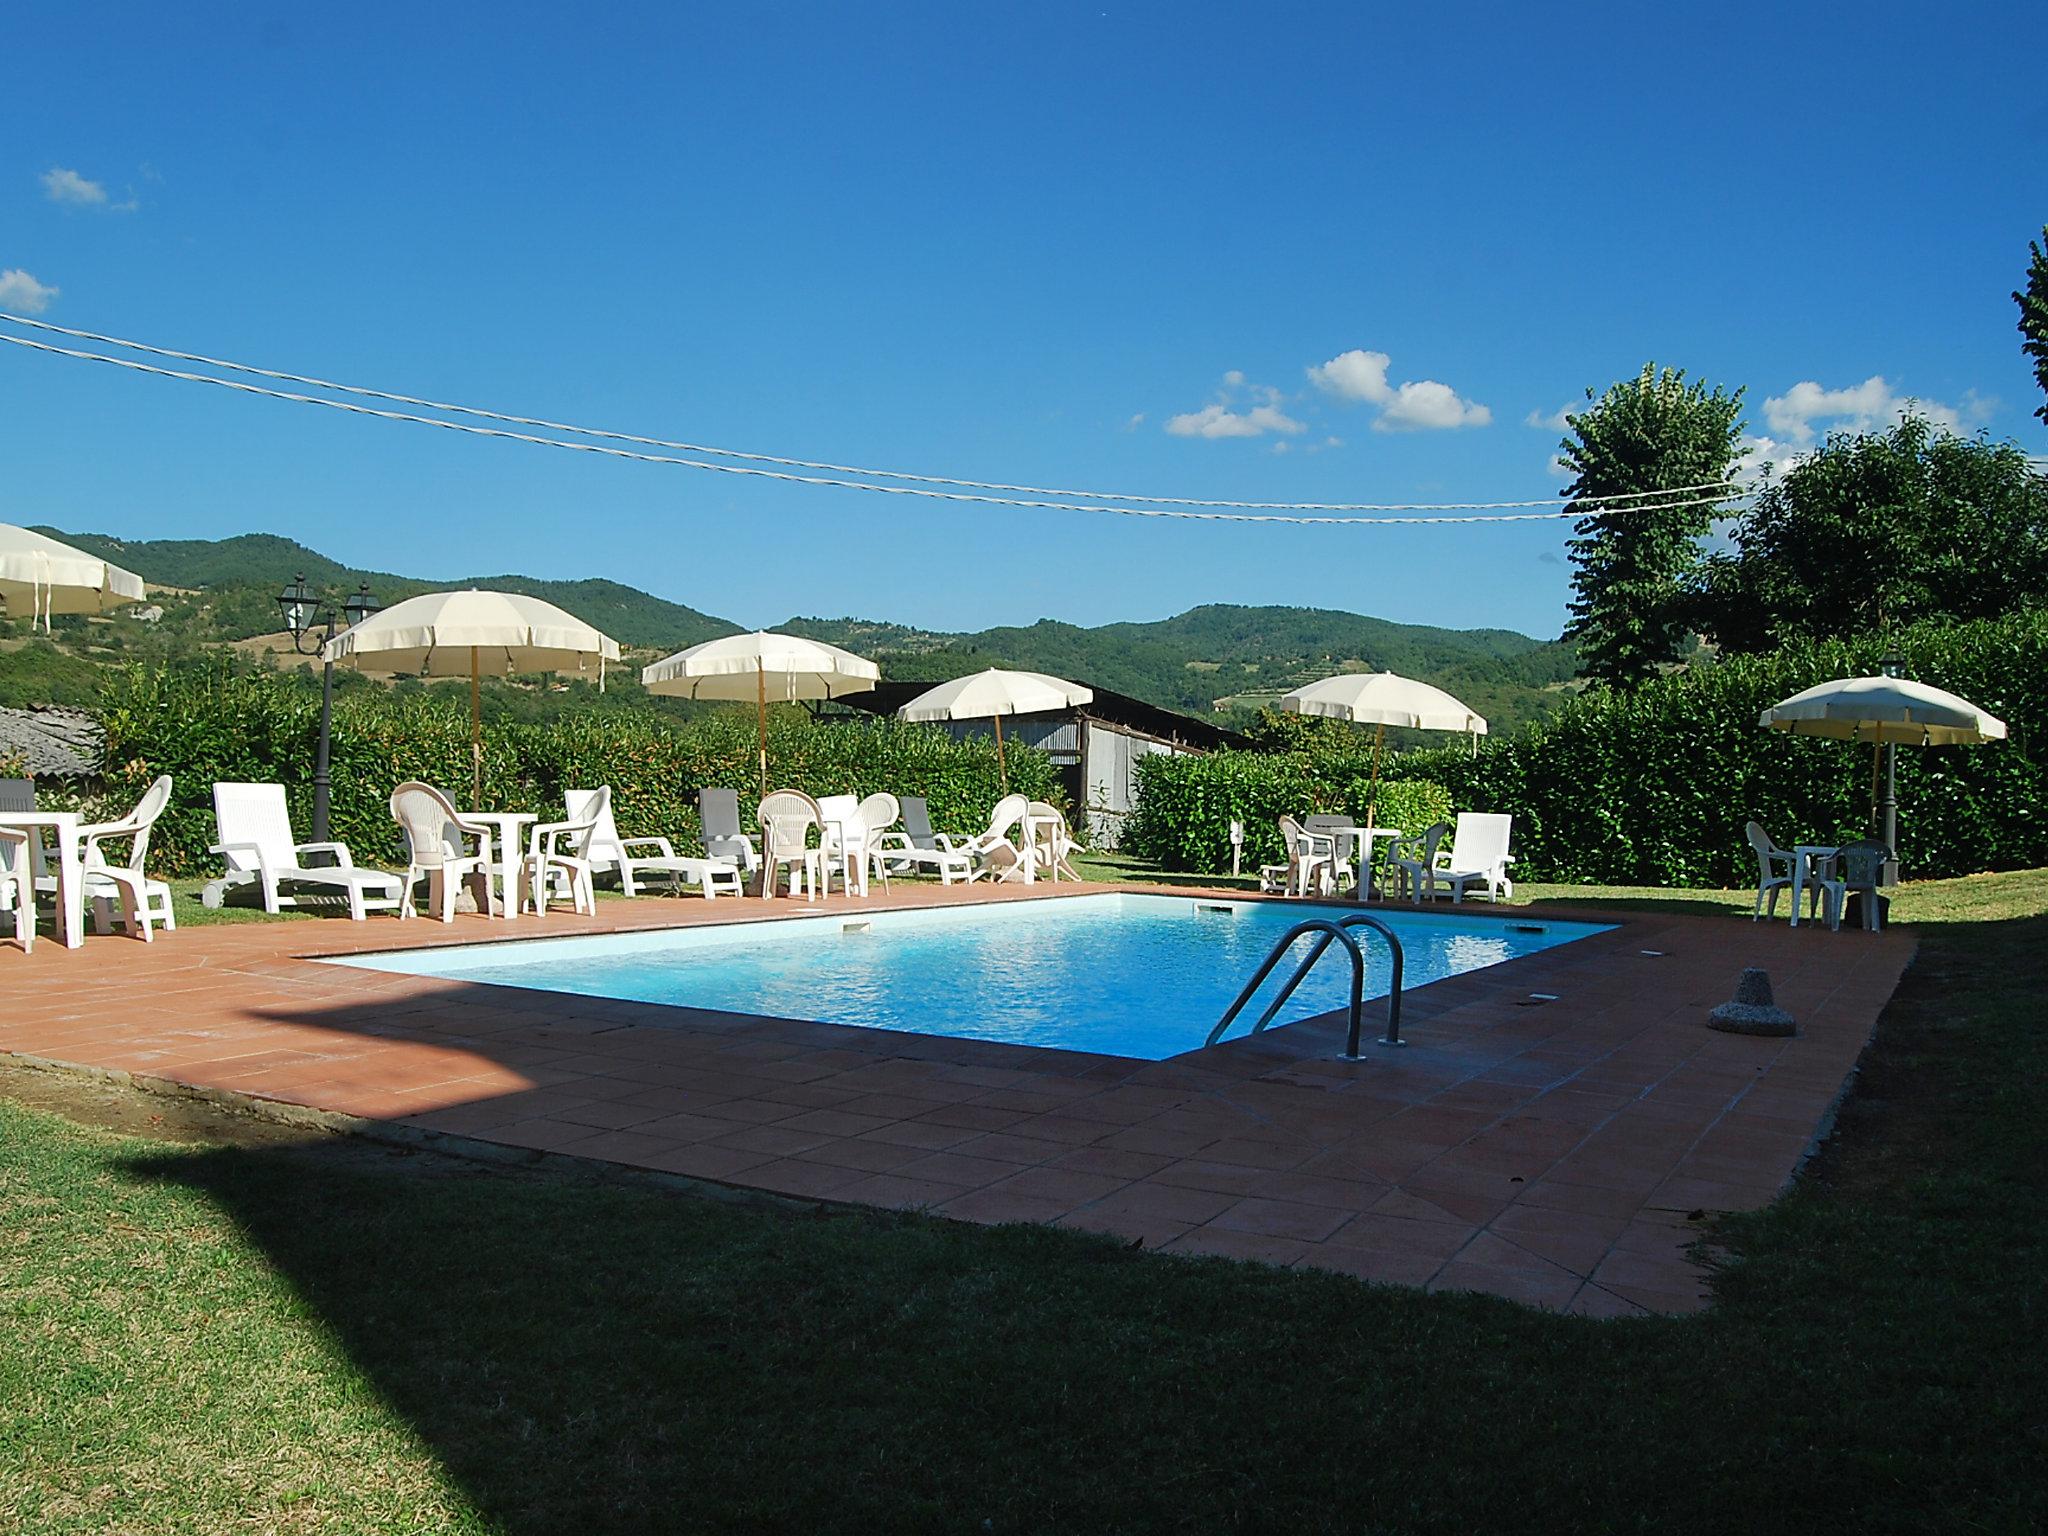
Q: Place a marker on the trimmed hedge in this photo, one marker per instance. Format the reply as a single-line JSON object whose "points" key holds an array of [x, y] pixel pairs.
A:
{"points": [[1186, 804], [1654, 787], [205, 724]]}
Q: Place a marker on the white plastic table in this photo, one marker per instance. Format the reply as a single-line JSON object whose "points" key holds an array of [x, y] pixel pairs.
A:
{"points": [[1805, 858], [511, 856], [1362, 839], [70, 868]]}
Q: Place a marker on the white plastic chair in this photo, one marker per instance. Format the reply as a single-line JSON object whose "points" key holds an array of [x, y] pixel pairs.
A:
{"points": [[18, 885], [876, 815], [1410, 856], [1342, 872], [255, 829], [787, 818], [1478, 856], [992, 853], [1310, 856], [1768, 857], [557, 849], [1856, 867], [142, 899], [606, 852], [434, 833]]}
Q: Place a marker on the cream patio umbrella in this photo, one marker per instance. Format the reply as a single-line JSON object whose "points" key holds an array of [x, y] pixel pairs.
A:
{"points": [[762, 666], [1381, 699], [40, 576], [458, 634], [1886, 711], [993, 694]]}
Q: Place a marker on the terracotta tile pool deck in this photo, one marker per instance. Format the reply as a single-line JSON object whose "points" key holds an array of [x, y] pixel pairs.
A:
{"points": [[1558, 1153]]}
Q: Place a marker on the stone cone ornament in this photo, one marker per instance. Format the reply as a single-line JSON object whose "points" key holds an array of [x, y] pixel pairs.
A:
{"points": [[1754, 1011]]}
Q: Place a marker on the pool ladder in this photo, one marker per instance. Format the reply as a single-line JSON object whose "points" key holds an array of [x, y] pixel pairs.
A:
{"points": [[1331, 931]]}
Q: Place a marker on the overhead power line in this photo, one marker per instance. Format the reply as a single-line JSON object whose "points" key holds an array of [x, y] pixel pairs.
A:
{"points": [[1720, 492]]}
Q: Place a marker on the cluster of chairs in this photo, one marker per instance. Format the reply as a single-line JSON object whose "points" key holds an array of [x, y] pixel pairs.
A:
{"points": [[1320, 853], [1828, 878], [111, 856], [809, 842]]}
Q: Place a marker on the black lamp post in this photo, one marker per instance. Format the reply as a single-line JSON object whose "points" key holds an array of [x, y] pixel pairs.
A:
{"points": [[300, 619]]}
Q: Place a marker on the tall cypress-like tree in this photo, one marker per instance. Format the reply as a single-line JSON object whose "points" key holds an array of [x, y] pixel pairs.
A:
{"points": [[1655, 432], [2033, 303]]}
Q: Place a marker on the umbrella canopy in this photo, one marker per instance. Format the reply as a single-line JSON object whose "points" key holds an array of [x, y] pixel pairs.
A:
{"points": [[1381, 699], [1884, 709], [993, 694], [762, 666], [40, 576], [786, 668], [453, 634], [456, 634], [1384, 698]]}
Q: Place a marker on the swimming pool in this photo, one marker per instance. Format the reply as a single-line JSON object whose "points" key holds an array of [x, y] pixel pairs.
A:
{"points": [[1120, 974]]}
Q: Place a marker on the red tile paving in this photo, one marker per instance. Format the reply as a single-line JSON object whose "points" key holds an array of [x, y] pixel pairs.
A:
{"points": [[1558, 1154]]}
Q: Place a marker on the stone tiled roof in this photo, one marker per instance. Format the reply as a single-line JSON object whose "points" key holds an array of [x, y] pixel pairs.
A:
{"points": [[58, 743]]}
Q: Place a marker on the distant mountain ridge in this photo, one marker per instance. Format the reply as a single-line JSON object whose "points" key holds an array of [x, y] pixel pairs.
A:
{"points": [[1233, 653]]}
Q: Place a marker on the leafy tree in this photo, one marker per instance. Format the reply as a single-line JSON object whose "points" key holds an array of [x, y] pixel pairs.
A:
{"points": [[2033, 303], [1655, 432], [1875, 531]]}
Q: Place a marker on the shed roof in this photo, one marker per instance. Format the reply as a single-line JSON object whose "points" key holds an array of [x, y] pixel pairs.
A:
{"points": [[57, 743]]}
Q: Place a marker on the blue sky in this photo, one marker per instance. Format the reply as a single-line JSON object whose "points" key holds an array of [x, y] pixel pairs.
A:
{"points": [[1077, 246]]}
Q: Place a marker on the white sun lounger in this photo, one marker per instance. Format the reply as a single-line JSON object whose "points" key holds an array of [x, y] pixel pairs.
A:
{"points": [[1478, 857], [255, 830], [606, 851]]}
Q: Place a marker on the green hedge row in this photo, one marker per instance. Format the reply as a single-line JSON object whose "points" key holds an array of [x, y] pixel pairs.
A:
{"points": [[1654, 787], [1186, 804], [203, 724]]}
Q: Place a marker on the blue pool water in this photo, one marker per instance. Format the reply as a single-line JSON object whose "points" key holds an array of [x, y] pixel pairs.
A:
{"points": [[1144, 976]]}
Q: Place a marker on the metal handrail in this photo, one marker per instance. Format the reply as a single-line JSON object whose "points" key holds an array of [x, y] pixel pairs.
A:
{"points": [[1331, 932]]}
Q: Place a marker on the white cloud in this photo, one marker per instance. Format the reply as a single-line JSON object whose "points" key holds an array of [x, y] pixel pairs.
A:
{"points": [[19, 291], [1137, 420], [1425, 405], [1553, 421], [1807, 409], [66, 186], [1222, 417], [1416, 406], [1219, 420], [1354, 375]]}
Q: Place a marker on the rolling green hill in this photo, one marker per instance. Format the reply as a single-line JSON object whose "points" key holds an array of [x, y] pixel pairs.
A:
{"points": [[1217, 657], [1232, 657], [237, 580]]}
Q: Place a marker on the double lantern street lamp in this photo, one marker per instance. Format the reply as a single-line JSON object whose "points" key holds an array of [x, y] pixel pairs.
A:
{"points": [[301, 619]]}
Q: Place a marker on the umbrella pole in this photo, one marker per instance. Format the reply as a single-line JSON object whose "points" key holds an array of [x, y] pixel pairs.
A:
{"points": [[1891, 800], [1372, 791], [1002, 768], [476, 733], [761, 719], [1876, 776]]}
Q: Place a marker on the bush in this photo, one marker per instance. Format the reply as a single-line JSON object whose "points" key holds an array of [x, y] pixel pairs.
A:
{"points": [[205, 724], [1186, 804], [1653, 787]]}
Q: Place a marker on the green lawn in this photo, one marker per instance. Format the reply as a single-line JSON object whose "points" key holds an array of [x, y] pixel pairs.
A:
{"points": [[334, 1337]]}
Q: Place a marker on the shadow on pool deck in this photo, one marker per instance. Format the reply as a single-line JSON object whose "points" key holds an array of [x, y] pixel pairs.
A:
{"points": [[1556, 1154]]}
